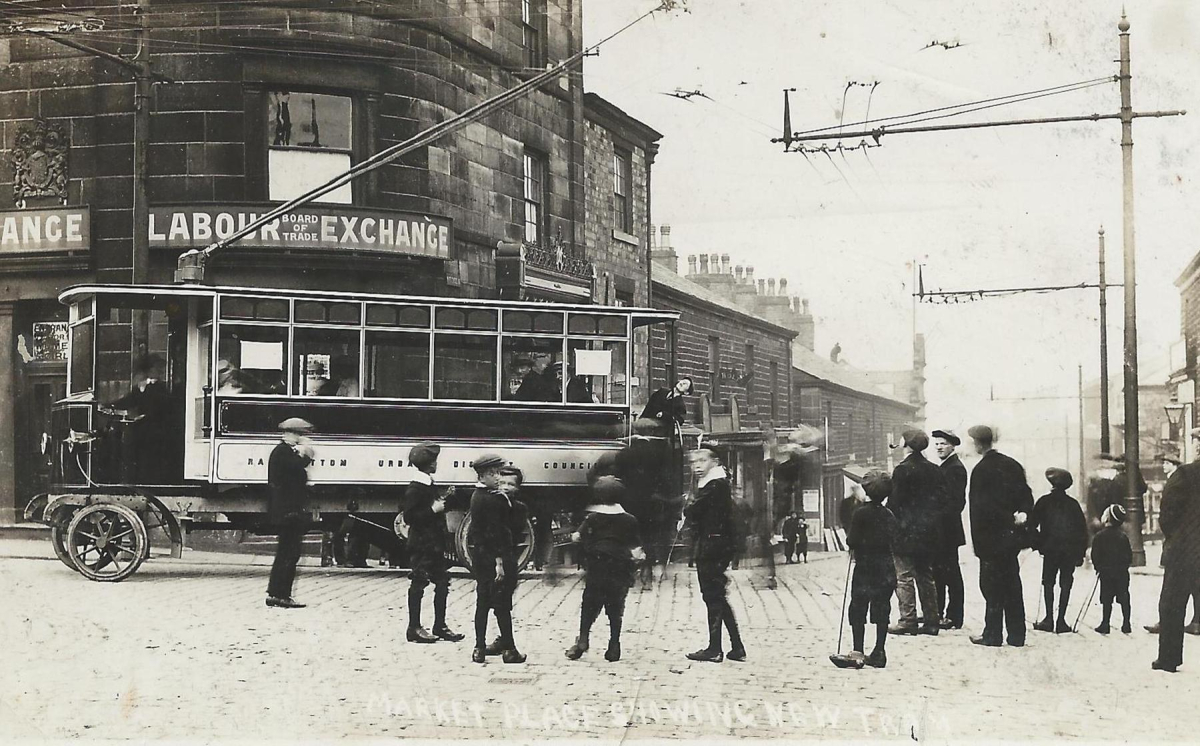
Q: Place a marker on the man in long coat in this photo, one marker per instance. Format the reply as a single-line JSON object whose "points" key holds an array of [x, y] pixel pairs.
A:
{"points": [[1001, 502], [287, 479], [918, 494], [1179, 520], [947, 573]]}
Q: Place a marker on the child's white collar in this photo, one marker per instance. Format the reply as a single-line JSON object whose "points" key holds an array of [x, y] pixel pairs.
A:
{"points": [[421, 477], [605, 509], [717, 472]]}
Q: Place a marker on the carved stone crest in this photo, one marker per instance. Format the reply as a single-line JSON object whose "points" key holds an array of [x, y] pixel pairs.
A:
{"points": [[39, 160]]}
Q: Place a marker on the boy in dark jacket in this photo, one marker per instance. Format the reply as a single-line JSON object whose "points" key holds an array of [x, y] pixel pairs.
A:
{"points": [[1062, 539], [1112, 556], [872, 533], [609, 539], [425, 514], [492, 545]]}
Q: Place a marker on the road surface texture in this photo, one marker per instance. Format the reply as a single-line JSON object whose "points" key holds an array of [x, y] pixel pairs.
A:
{"points": [[186, 649]]}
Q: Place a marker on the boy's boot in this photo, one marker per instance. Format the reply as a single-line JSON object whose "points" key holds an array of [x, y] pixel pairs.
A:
{"points": [[737, 651], [1047, 623], [1104, 628], [878, 657], [1061, 625], [1125, 626], [855, 658], [576, 651], [712, 653], [416, 633], [613, 654]]}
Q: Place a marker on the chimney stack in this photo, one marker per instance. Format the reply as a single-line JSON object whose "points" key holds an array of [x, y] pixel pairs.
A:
{"points": [[770, 286], [653, 237], [726, 266], [804, 304], [783, 286], [703, 264], [762, 287], [714, 264], [665, 230]]}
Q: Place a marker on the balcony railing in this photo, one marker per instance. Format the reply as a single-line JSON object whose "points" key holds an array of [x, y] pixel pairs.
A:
{"points": [[555, 258]]}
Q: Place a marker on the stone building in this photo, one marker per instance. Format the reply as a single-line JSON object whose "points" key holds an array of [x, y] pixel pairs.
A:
{"points": [[257, 103]]}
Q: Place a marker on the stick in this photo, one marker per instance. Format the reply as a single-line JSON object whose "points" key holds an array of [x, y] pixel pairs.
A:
{"points": [[1088, 605], [845, 595]]}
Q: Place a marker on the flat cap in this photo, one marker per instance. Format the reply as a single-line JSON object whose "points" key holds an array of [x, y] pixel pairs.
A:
{"points": [[1170, 459], [947, 436], [877, 485], [488, 461], [424, 454], [983, 433], [296, 425], [915, 439], [608, 490], [1059, 478]]}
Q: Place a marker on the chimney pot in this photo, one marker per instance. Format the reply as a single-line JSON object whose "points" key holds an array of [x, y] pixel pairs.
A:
{"points": [[750, 273], [665, 230], [804, 304], [783, 286], [703, 264], [762, 287], [770, 286], [653, 238], [726, 266], [692, 264], [714, 263]]}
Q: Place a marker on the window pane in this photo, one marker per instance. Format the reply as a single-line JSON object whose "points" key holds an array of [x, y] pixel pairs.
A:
{"points": [[581, 324], [309, 120], [398, 365], [612, 325], [255, 309], [451, 318], [530, 369], [82, 356], [294, 172], [464, 367], [482, 320], [250, 360], [415, 316], [548, 322], [326, 362], [518, 321], [333, 313], [597, 372]]}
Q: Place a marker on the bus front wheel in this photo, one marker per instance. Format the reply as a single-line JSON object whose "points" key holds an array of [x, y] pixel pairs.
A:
{"points": [[107, 543]]}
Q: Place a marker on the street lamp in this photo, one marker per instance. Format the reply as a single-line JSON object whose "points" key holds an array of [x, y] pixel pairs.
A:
{"points": [[1175, 416]]}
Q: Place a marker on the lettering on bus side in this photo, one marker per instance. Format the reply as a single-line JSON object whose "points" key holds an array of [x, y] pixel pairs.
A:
{"points": [[566, 465], [392, 463]]}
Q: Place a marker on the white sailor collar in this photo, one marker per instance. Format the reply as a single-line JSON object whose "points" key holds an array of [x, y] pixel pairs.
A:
{"points": [[421, 477], [717, 472], [605, 509]]}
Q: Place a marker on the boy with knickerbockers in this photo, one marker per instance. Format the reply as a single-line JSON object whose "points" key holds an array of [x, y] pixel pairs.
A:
{"points": [[1112, 556], [872, 532], [609, 539], [1062, 540]]}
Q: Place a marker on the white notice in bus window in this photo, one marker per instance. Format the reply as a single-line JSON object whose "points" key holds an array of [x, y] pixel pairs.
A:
{"points": [[593, 362], [262, 355]]}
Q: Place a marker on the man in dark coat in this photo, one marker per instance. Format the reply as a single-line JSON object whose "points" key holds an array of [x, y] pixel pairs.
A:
{"points": [[667, 408], [287, 479], [947, 573], [711, 517], [872, 533], [425, 514], [1001, 502], [791, 532], [917, 500], [492, 545], [149, 404], [1179, 519], [1061, 538]]}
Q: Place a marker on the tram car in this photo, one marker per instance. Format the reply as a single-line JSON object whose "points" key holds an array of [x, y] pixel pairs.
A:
{"points": [[178, 436]]}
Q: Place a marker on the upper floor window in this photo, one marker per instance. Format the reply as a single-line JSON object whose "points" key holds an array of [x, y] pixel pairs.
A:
{"points": [[531, 34], [309, 142], [535, 196], [622, 204]]}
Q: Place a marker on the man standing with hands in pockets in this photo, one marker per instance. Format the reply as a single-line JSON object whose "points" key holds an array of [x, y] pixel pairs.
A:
{"points": [[287, 479]]}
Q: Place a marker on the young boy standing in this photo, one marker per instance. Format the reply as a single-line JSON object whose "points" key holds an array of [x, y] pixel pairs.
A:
{"points": [[425, 514], [1062, 541], [872, 532], [609, 538], [1112, 556], [493, 560]]}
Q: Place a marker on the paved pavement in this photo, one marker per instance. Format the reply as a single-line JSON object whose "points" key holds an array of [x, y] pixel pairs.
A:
{"points": [[186, 649]]}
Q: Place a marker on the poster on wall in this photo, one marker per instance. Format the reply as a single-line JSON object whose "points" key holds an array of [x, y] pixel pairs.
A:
{"points": [[49, 340], [812, 501]]}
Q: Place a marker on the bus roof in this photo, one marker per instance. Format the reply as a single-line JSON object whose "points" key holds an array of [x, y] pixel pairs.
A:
{"points": [[78, 292]]}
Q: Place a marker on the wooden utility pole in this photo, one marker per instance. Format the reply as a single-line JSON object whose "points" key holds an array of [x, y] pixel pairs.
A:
{"points": [[1104, 424]]}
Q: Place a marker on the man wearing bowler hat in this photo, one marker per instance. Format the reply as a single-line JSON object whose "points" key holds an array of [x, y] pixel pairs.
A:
{"points": [[1001, 502], [492, 545], [287, 479], [947, 574]]}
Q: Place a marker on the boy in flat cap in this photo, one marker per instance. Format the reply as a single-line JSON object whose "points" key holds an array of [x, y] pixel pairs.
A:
{"points": [[425, 514], [611, 548], [1112, 556], [872, 532], [1062, 540], [491, 542], [287, 479]]}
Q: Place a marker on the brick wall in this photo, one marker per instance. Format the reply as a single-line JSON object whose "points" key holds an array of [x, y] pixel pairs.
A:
{"points": [[860, 426], [698, 323]]}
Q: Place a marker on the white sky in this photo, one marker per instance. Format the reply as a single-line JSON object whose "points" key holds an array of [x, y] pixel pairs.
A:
{"points": [[985, 208]]}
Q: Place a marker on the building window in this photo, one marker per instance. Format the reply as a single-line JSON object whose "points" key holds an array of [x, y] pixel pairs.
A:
{"points": [[714, 369], [748, 375], [535, 197], [309, 143], [531, 34], [622, 177], [669, 354]]}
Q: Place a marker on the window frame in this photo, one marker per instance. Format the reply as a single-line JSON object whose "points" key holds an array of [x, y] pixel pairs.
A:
{"points": [[623, 178], [353, 148], [541, 162], [532, 38]]}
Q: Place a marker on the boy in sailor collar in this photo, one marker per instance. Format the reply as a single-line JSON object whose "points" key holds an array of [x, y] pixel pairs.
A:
{"points": [[492, 545], [425, 514]]}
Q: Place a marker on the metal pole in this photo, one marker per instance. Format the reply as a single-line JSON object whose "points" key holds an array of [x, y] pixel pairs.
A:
{"points": [[1104, 424], [1082, 461], [140, 250], [1133, 501]]}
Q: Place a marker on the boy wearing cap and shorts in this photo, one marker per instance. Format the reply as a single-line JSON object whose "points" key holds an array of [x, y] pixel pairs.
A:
{"points": [[609, 539], [873, 530], [1112, 556], [425, 514], [287, 479], [1062, 540], [491, 542]]}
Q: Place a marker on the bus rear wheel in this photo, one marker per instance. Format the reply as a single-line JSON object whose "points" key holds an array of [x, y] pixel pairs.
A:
{"points": [[525, 544], [58, 538], [107, 543]]}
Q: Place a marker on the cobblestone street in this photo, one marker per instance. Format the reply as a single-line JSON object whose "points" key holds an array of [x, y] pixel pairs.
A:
{"points": [[186, 649]]}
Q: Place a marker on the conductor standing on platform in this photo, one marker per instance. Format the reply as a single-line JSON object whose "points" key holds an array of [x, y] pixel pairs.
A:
{"points": [[287, 478]]}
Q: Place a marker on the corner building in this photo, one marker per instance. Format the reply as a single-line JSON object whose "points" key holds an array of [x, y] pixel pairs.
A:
{"points": [[257, 103]]}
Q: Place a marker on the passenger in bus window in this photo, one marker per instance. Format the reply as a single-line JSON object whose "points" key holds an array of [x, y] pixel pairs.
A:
{"points": [[521, 366], [538, 384], [492, 545], [229, 382], [343, 378]]}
